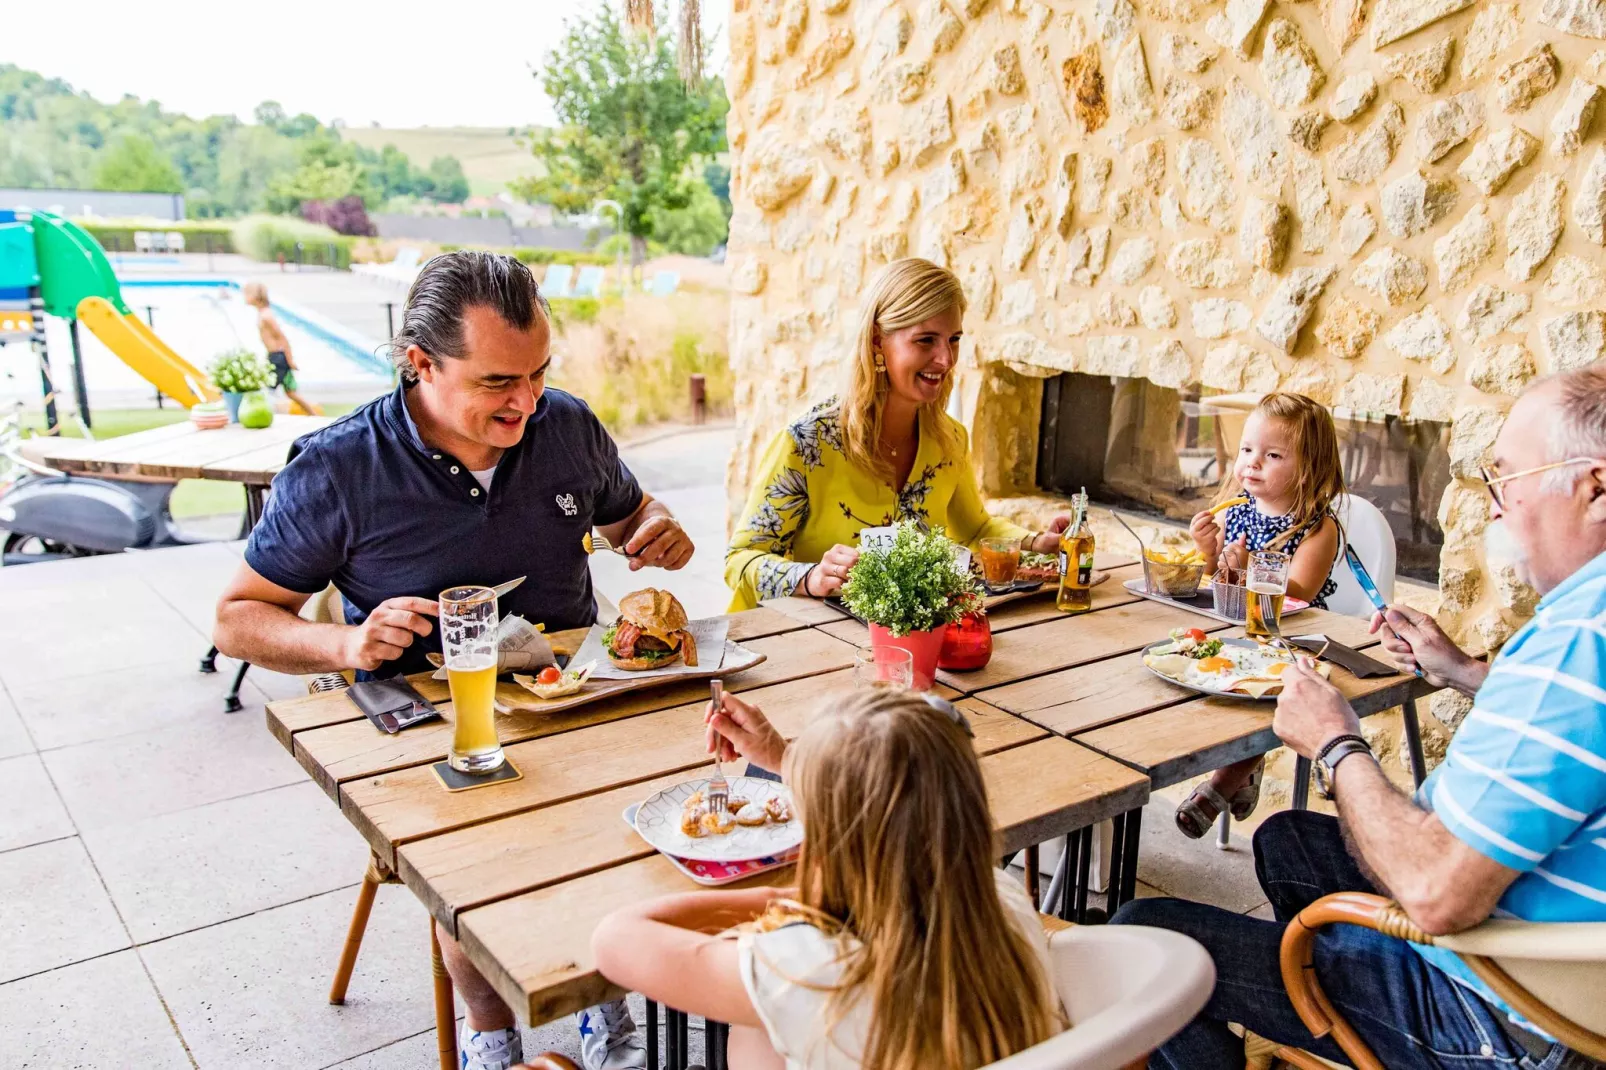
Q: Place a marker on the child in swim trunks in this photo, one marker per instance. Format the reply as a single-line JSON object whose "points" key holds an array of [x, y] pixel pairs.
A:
{"points": [[277, 345]]}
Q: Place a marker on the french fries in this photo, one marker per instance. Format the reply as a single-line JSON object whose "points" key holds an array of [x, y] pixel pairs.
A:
{"points": [[1174, 556], [1228, 504]]}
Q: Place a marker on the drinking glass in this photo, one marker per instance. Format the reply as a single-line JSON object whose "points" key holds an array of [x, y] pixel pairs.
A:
{"points": [[1000, 560], [1267, 583], [885, 666], [468, 645]]}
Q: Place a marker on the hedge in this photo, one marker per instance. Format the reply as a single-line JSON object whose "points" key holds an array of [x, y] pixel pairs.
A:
{"points": [[267, 238], [119, 236]]}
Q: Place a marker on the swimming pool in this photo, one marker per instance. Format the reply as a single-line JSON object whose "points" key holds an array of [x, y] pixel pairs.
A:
{"points": [[200, 318]]}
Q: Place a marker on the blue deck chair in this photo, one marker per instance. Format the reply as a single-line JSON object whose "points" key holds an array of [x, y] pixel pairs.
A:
{"points": [[557, 281], [589, 284], [664, 283]]}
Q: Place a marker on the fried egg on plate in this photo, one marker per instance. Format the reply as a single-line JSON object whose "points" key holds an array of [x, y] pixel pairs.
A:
{"points": [[1253, 670]]}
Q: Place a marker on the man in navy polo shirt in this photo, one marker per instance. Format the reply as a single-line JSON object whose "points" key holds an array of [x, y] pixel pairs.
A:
{"points": [[471, 472]]}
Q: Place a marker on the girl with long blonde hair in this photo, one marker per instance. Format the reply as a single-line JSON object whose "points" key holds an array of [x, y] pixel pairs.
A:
{"points": [[1287, 475], [902, 945], [883, 450]]}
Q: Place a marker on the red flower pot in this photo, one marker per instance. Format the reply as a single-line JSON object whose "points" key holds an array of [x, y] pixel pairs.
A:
{"points": [[968, 644], [924, 648]]}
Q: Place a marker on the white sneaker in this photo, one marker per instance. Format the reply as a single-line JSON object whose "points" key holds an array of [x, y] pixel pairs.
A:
{"points": [[608, 1038], [493, 1049]]}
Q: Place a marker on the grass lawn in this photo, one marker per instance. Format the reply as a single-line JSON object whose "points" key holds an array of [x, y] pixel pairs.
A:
{"points": [[192, 497]]}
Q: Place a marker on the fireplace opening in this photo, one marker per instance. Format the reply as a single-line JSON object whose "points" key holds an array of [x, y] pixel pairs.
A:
{"points": [[1165, 452]]}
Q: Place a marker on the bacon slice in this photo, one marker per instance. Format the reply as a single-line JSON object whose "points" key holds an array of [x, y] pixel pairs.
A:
{"points": [[624, 641], [688, 649]]}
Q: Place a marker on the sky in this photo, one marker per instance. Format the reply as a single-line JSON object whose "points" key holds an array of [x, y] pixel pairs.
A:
{"points": [[401, 63]]}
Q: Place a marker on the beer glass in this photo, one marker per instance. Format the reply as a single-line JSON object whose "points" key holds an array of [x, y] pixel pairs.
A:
{"points": [[884, 666], [1267, 585], [468, 645]]}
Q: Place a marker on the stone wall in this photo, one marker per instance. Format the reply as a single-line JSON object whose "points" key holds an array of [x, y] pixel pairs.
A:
{"points": [[1395, 206]]}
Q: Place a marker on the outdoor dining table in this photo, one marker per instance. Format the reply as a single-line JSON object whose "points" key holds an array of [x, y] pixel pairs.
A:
{"points": [[521, 872]]}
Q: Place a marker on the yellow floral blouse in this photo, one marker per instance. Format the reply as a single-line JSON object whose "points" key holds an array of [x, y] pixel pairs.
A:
{"points": [[808, 498]]}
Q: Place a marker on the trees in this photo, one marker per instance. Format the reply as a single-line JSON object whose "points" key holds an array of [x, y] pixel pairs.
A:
{"points": [[133, 164], [630, 128]]}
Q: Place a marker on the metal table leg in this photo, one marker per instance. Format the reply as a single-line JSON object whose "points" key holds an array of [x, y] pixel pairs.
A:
{"points": [[1413, 742], [1129, 856], [1062, 887], [1084, 864], [1302, 784], [1112, 887], [652, 1035]]}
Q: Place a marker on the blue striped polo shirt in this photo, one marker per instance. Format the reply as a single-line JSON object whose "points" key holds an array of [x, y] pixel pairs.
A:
{"points": [[1524, 781]]}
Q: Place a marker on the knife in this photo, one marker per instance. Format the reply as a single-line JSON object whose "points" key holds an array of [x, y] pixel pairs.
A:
{"points": [[503, 588], [1373, 595]]}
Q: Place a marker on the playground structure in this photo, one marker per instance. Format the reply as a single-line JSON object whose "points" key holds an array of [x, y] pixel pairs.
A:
{"points": [[51, 266]]}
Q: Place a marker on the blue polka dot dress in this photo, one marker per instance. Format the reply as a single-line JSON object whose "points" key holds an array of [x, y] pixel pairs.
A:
{"points": [[1258, 532]]}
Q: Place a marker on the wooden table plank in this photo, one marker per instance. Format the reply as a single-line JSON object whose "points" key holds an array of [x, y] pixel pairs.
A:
{"points": [[1073, 640], [356, 749], [286, 717], [535, 948], [810, 611], [72, 455], [509, 855], [1086, 697], [1196, 737], [179, 451]]}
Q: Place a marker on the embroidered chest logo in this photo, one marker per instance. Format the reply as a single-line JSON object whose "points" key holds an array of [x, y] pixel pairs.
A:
{"points": [[566, 503]]}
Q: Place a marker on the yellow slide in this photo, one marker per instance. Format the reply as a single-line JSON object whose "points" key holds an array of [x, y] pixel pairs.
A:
{"points": [[136, 345]]}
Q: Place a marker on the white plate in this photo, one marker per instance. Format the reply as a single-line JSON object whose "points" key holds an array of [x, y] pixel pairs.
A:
{"points": [[658, 822], [1205, 690]]}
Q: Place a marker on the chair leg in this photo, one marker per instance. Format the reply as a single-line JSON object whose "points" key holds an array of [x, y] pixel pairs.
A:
{"points": [[1302, 784], [371, 881], [1413, 742], [445, 1008]]}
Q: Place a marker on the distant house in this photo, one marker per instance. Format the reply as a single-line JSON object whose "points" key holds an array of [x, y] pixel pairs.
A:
{"points": [[85, 203]]}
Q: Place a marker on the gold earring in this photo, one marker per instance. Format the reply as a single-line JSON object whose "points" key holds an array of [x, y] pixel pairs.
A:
{"points": [[880, 362]]}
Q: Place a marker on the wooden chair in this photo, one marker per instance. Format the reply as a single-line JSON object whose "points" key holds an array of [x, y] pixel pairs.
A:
{"points": [[1127, 989], [1552, 974], [324, 608]]}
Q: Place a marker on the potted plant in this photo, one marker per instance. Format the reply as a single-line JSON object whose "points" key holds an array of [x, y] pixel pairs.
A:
{"points": [[909, 592], [238, 372]]}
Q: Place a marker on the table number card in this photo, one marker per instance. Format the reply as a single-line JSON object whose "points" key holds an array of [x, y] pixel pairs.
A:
{"points": [[877, 538]]}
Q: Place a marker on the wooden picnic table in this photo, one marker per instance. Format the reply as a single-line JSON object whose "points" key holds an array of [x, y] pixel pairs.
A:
{"points": [[522, 871]]}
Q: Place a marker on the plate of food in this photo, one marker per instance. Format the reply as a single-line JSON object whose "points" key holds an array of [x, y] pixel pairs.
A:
{"points": [[1234, 668], [1036, 567], [553, 682], [759, 821]]}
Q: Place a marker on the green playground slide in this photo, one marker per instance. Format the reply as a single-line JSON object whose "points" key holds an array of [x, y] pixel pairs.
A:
{"points": [[77, 283]]}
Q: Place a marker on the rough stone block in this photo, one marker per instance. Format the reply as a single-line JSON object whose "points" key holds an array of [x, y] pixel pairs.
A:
{"points": [[1447, 123], [1347, 328], [1415, 202], [1574, 281], [1263, 235], [1527, 78], [1570, 125], [1423, 336], [1392, 276], [1291, 305], [1158, 311], [1496, 28], [1288, 67], [1494, 159], [1533, 225], [1589, 207], [1472, 436], [1576, 339], [1502, 369], [1425, 68], [1353, 96], [1217, 317], [1369, 393], [1395, 19], [1364, 157], [1490, 310]]}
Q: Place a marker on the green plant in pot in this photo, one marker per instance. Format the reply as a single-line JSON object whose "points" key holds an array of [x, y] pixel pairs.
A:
{"points": [[909, 592], [238, 373]]}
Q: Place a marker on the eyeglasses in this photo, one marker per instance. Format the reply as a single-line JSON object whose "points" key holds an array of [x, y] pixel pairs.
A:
{"points": [[950, 711], [1492, 478]]}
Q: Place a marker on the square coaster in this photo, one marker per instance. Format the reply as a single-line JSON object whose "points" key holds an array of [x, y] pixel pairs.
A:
{"points": [[452, 780]]}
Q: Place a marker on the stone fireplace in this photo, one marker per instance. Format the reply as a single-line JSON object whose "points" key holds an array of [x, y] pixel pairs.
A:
{"points": [[1397, 207]]}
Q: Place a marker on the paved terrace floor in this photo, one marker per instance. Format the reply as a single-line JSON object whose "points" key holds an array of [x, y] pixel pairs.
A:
{"points": [[176, 891]]}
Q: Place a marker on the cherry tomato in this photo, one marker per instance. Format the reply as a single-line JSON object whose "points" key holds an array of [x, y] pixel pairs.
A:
{"points": [[549, 675], [1197, 635]]}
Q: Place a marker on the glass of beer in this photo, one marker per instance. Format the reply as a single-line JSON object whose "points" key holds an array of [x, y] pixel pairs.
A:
{"points": [[468, 645], [1267, 585], [883, 666], [1000, 560]]}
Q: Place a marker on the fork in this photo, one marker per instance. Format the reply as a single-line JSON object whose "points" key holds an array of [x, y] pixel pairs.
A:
{"points": [[595, 543], [717, 794]]}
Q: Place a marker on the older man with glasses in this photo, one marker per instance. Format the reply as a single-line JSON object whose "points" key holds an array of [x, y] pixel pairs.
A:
{"points": [[1512, 823]]}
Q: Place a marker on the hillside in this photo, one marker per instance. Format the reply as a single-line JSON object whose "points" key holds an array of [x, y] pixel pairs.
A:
{"points": [[491, 157]]}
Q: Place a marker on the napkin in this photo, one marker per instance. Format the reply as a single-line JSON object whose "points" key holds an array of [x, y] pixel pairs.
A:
{"points": [[519, 648], [1346, 656]]}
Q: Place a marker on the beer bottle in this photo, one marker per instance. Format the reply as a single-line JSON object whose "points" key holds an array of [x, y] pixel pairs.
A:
{"points": [[1076, 561]]}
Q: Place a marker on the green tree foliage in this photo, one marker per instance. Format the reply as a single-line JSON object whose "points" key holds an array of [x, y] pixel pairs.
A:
{"points": [[134, 164], [54, 136], [631, 129], [697, 229]]}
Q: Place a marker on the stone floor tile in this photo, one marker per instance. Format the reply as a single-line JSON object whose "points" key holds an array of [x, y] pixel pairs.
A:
{"points": [[30, 810], [87, 629], [56, 911], [254, 991], [416, 1052], [1196, 869], [199, 761], [14, 737], [94, 706], [90, 1016], [207, 864]]}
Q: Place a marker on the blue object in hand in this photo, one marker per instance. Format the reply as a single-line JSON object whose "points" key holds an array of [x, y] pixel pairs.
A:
{"points": [[1364, 578]]}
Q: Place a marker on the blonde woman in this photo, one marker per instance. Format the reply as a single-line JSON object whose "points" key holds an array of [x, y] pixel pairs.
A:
{"points": [[884, 451], [902, 947]]}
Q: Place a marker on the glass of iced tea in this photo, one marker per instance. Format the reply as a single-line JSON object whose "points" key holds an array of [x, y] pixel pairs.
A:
{"points": [[1267, 585], [1000, 560], [468, 645]]}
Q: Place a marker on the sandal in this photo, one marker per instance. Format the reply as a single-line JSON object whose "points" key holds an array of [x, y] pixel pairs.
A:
{"points": [[1246, 798], [1198, 812]]}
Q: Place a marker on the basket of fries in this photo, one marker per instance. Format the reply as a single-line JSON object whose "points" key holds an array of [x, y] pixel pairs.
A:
{"points": [[1172, 571], [1231, 596]]}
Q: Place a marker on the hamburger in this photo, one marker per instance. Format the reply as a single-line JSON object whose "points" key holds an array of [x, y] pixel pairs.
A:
{"points": [[650, 632]]}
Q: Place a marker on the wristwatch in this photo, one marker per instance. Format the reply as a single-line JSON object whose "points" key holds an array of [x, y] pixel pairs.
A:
{"points": [[1327, 759], [1027, 541]]}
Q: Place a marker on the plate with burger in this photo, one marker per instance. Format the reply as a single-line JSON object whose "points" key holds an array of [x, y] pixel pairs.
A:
{"points": [[653, 637]]}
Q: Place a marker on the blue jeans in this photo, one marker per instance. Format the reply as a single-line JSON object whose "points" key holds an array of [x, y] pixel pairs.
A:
{"points": [[1408, 1012]]}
